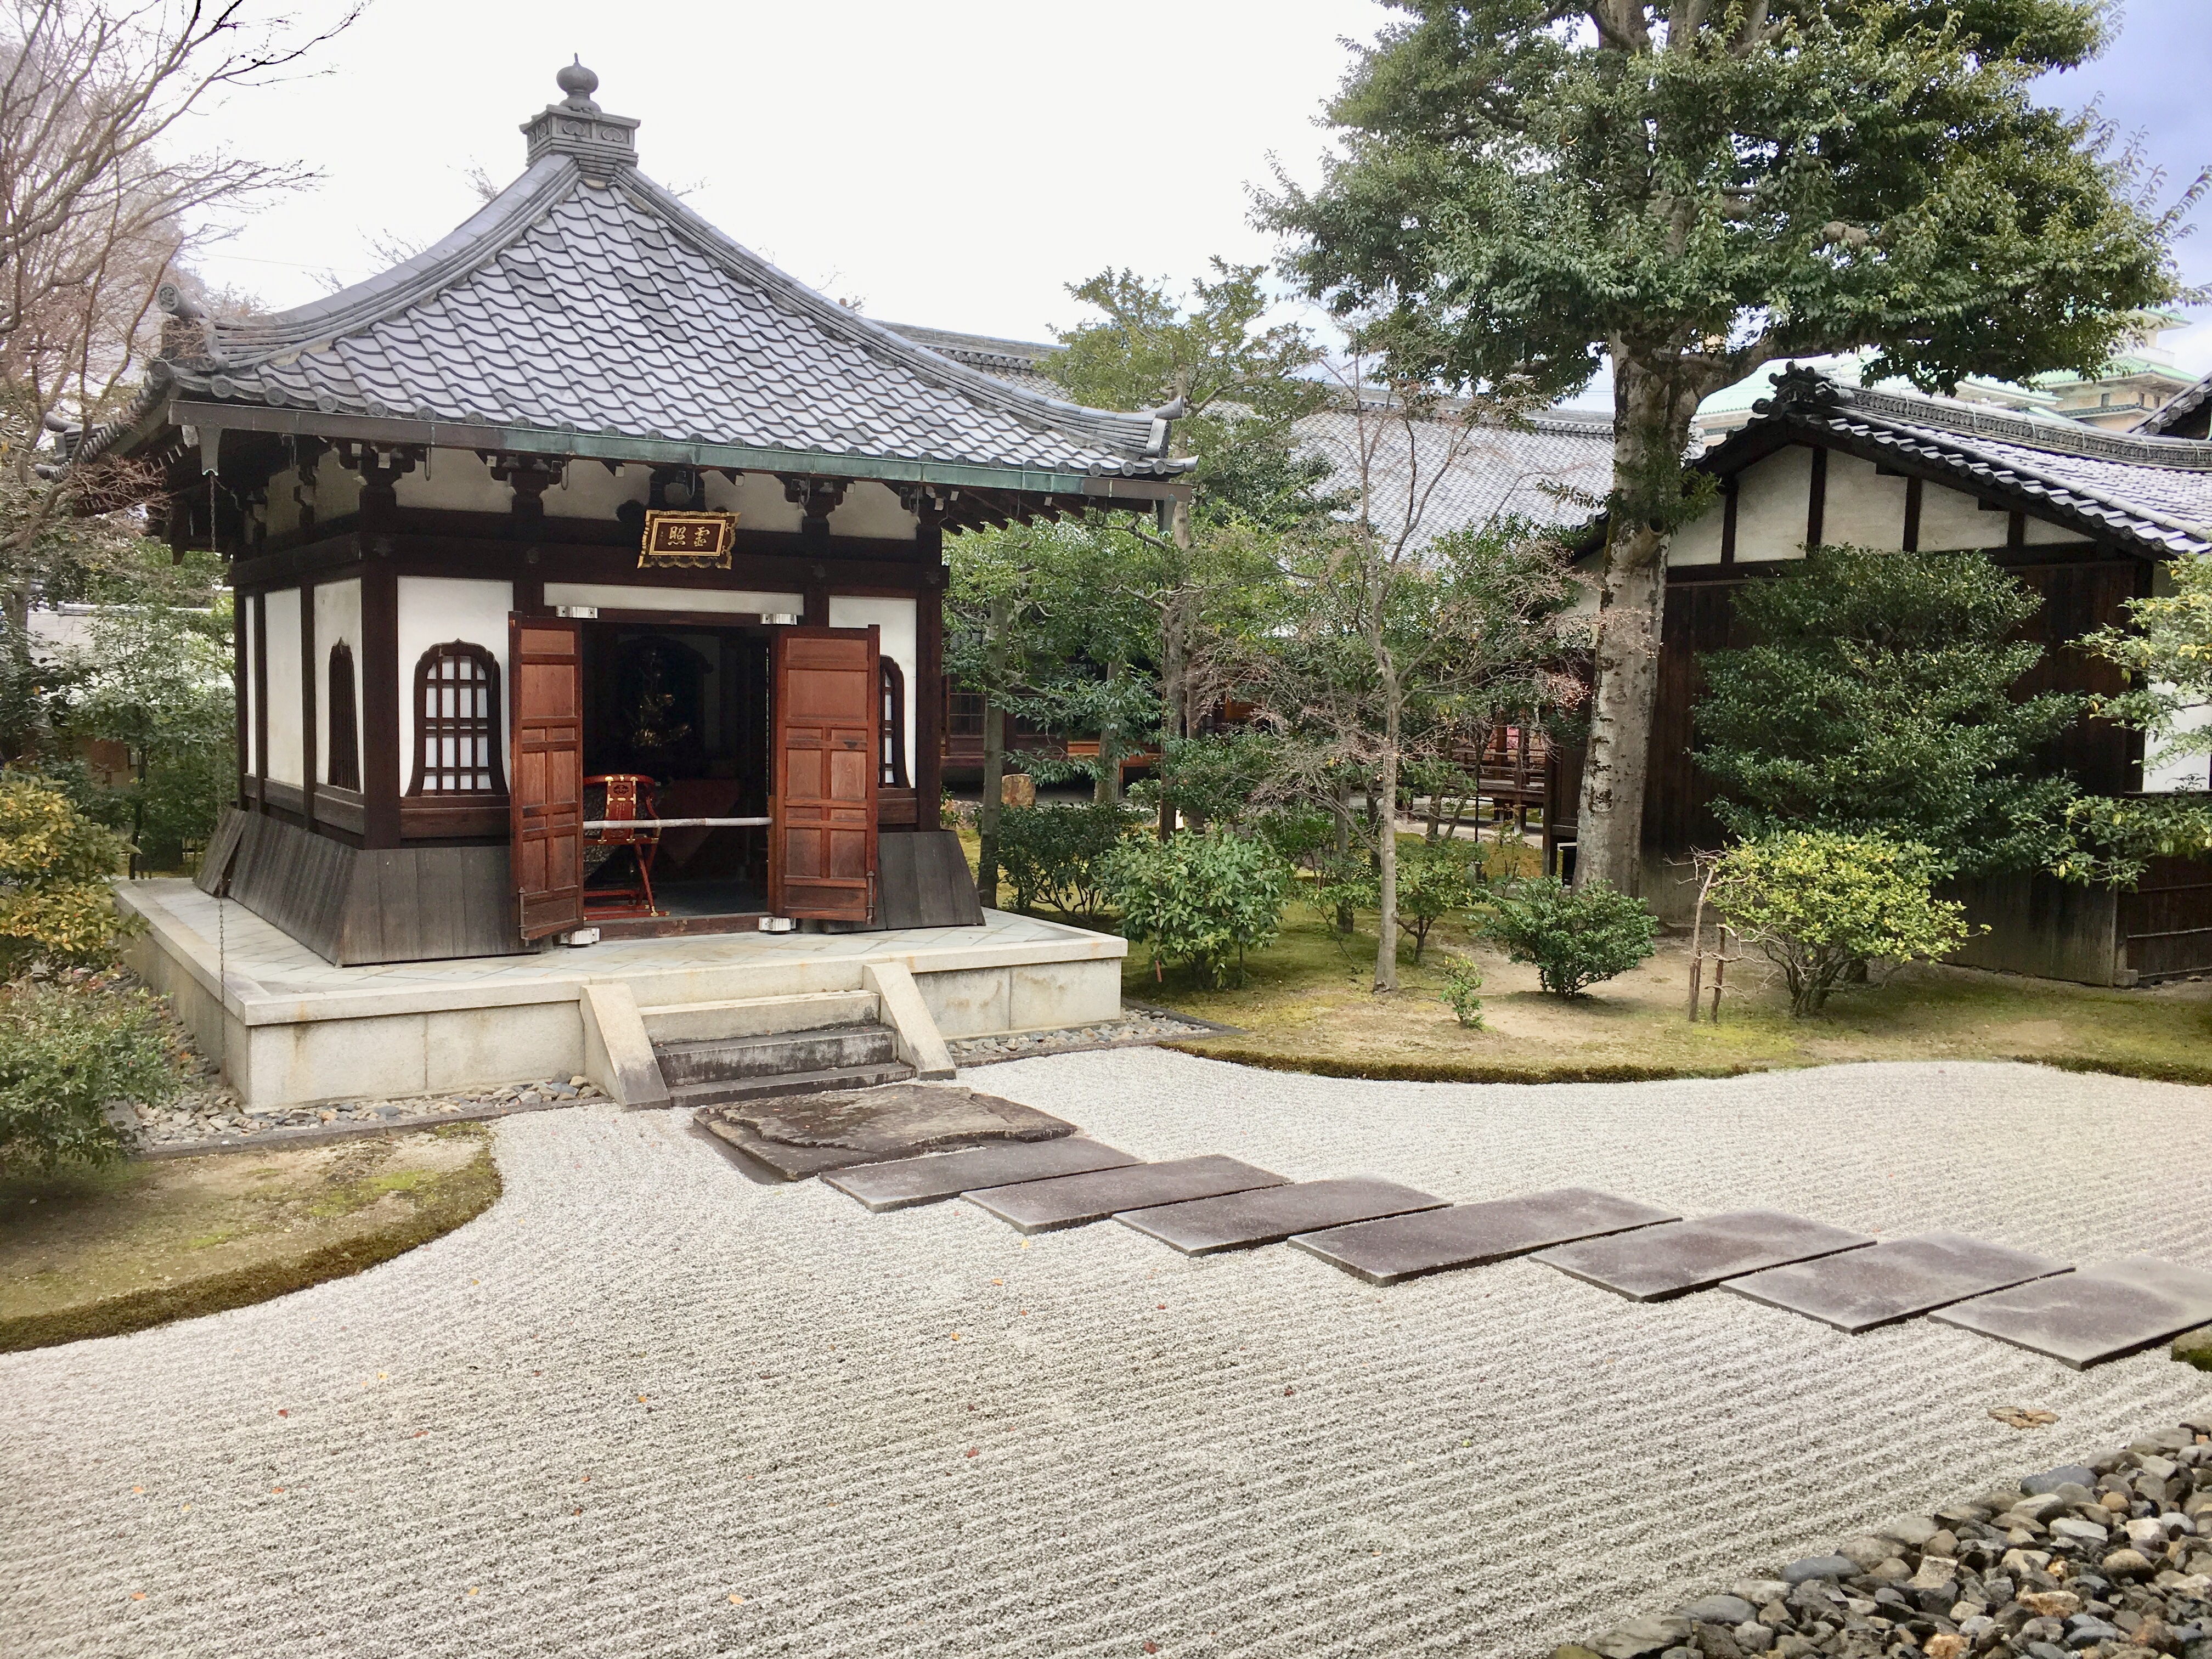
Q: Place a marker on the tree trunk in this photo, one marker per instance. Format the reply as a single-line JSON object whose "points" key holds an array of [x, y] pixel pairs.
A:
{"points": [[1175, 652], [1344, 917], [1652, 409], [994, 755], [1107, 791], [1386, 849]]}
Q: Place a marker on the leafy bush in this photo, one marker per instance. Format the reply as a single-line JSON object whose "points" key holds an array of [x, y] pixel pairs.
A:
{"points": [[1575, 936], [1818, 903], [1463, 990], [56, 906], [68, 1046], [1053, 853], [1433, 881], [1198, 899]]}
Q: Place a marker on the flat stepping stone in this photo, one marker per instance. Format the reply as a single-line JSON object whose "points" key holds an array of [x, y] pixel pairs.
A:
{"points": [[1239, 1221], [904, 1182], [2082, 1318], [1075, 1200], [1859, 1290], [1654, 1263], [800, 1135], [1468, 1235]]}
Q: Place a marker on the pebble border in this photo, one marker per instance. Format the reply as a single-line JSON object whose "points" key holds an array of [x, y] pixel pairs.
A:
{"points": [[210, 1119], [1138, 1026], [2109, 1559]]}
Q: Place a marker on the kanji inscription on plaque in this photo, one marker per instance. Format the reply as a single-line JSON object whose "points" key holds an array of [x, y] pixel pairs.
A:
{"points": [[694, 540]]}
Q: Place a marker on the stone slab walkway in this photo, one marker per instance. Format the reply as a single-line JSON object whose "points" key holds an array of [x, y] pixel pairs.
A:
{"points": [[923, 1432]]}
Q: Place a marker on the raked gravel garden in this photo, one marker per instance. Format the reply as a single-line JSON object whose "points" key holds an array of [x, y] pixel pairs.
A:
{"points": [[644, 1406]]}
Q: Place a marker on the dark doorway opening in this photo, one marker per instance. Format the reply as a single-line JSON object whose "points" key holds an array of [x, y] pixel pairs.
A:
{"points": [[687, 707]]}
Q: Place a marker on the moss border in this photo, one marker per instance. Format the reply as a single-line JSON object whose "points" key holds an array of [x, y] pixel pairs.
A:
{"points": [[2150, 1071], [1420, 1071], [472, 1189]]}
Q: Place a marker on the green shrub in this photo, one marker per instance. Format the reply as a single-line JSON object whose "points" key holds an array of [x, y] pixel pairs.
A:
{"points": [[1434, 879], [1575, 936], [1198, 899], [56, 905], [1818, 903], [1463, 990], [1053, 853], [68, 1046]]}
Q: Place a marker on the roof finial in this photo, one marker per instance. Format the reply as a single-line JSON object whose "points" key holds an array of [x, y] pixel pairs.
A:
{"points": [[580, 83]]}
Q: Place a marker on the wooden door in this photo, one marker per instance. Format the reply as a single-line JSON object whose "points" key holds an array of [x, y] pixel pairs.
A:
{"points": [[821, 849], [546, 775]]}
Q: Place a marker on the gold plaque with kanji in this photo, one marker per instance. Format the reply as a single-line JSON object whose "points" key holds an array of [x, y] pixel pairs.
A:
{"points": [[695, 541]]}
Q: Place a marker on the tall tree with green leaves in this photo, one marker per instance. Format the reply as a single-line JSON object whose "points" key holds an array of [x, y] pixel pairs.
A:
{"points": [[1689, 188]]}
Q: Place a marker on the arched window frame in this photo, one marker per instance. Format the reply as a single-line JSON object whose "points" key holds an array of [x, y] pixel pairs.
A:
{"points": [[891, 740], [478, 727], [342, 764]]}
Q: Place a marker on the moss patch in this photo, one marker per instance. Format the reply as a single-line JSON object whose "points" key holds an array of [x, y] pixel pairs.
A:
{"points": [[104, 1252]]}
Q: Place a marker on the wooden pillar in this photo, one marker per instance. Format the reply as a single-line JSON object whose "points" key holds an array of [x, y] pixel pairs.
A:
{"points": [[309, 745], [1914, 489], [817, 597], [925, 696], [260, 702], [1816, 499], [241, 660], [382, 674]]}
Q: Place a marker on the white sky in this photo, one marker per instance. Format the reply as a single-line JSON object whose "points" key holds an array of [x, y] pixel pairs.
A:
{"points": [[952, 163]]}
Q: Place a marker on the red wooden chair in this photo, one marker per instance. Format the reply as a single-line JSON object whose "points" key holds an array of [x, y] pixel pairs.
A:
{"points": [[629, 797]]}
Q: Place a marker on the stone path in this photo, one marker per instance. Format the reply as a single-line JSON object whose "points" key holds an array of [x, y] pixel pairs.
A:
{"points": [[1281, 1462]]}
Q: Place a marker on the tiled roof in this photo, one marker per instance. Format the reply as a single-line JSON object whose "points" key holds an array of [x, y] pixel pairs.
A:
{"points": [[2153, 492], [2184, 413], [1546, 470], [585, 299]]}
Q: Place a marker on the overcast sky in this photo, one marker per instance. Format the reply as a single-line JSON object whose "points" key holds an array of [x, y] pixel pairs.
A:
{"points": [[952, 163]]}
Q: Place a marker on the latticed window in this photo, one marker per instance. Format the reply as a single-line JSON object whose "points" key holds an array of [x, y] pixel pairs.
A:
{"points": [[343, 769], [963, 714], [456, 721], [893, 729]]}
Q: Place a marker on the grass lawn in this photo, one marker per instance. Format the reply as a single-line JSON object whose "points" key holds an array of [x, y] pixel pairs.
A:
{"points": [[98, 1252], [1306, 1004]]}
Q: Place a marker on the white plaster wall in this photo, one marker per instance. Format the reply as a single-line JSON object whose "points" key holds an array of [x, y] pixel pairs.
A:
{"points": [[286, 753], [455, 480], [337, 621], [588, 490], [1861, 506], [434, 609], [757, 499], [2164, 776], [1951, 519], [1770, 508], [1698, 542], [895, 619], [283, 512], [2042, 532], [872, 509], [249, 609], [610, 596], [337, 489]]}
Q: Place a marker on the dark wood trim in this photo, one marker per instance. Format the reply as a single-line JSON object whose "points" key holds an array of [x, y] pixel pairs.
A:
{"points": [[1728, 493], [261, 691], [242, 735], [439, 820], [1816, 498], [339, 809], [816, 592], [682, 618], [310, 673], [1915, 486], [927, 694], [530, 593], [419, 681], [277, 793], [746, 922], [2015, 531], [897, 809], [379, 703]]}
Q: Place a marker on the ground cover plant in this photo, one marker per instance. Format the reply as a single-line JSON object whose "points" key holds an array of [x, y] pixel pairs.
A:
{"points": [[96, 1252]]}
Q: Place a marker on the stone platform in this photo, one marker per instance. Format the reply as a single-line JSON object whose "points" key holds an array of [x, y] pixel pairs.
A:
{"points": [[289, 1028]]}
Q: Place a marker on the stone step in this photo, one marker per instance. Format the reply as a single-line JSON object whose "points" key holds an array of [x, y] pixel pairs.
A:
{"points": [[695, 1022], [732, 1091], [773, 1053]]}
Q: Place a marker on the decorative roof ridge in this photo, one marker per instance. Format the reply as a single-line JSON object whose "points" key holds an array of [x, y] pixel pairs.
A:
{"points": [[458, 254], [1138, 431], [1802, 390], [2182, 403]]}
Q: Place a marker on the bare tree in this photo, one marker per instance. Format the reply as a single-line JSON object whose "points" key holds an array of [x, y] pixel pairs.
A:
{"points": [[98, 200]]}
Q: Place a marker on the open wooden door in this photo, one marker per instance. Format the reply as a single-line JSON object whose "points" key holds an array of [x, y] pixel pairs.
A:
{"points": [[821, 849], [546, 774]]}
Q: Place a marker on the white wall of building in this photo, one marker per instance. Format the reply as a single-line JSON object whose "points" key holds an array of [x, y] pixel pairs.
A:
{"points": [[454, 481], [1770, 505], [338, 488], [287, 752], [894, 618], [337, 621], [434, 609], [610, 596], [1860, 507]]}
